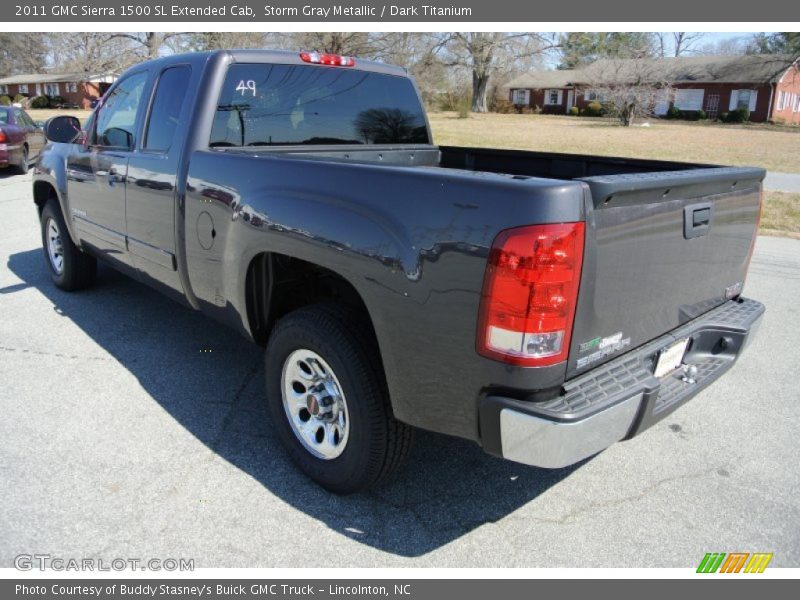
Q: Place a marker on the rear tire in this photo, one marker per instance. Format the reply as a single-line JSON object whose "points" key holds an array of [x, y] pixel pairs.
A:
{"points": [[22, 167], [321, 357], [69, 267]]}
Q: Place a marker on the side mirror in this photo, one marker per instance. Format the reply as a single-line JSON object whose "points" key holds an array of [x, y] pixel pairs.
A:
{"points": [[62, 129]]}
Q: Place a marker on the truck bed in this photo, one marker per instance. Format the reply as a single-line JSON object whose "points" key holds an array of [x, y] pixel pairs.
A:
{"points": [[647, 268]]}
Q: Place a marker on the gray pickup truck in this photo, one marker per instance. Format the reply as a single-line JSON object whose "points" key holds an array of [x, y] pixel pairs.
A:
{"points": [[542, 305]]}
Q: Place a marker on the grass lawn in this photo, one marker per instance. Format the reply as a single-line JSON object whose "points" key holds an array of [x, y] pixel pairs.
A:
{"points": [[774, 148], [757, 145], [781, 214], [42, 114]]}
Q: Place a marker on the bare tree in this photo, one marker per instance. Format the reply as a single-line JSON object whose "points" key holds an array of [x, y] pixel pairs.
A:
{"points": [[215, 40], [90, 52], [486, 53], [357, 43], [629, 88], [724, 47], [22, 53], [678, 43]]}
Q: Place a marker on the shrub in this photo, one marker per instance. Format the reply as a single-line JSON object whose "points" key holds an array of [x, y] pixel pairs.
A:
{"points": [[57, 102], [593, 109], [673, 112], [574, 111], [552, 109], [39, 102], [502, 106], [740, 115], [5, 100], [20, 99], [701, 114], [453, 101]]}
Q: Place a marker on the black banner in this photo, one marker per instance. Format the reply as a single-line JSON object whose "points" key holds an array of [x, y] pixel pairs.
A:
{"points": [[315, 11], [397, 589]]}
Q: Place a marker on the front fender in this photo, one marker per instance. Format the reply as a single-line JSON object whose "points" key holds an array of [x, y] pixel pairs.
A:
{"points": [[51, 169]]}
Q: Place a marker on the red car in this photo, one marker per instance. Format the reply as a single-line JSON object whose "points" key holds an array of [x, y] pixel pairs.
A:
{"points": [[21, 138]]}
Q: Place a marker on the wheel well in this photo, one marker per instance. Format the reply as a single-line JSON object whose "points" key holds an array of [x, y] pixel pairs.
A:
{"points": [[278, 284], [42, 192]]}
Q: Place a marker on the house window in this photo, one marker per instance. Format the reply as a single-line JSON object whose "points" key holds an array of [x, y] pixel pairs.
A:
{"points": [[51, 89], [689, 99], [796, 105], [552, 97], [23, 88], [3, 90], [72, 87], [743, 100], [520, 96], [593, 96]]}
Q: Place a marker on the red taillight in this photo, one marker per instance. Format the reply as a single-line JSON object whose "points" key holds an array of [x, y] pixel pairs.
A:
{"points": [[3, 137], [530, 291], [334, 60]]}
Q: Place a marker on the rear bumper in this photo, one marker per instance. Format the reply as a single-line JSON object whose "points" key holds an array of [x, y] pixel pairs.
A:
{"points": [[10, 154], [619, 399]]}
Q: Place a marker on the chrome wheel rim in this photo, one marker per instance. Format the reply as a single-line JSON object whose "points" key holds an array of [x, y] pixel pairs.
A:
{"points": [[55, 248], [314, 404]]}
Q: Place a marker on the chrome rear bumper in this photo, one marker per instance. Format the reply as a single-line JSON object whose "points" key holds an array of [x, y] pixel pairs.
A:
{"points": [[619, 399]]}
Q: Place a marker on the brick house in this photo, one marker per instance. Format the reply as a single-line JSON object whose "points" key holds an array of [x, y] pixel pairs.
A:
{"points": [[77, 89], [768, 86]]}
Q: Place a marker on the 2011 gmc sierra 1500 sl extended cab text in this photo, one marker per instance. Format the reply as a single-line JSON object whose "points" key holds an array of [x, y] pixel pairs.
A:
{"points": [[543, 305]]}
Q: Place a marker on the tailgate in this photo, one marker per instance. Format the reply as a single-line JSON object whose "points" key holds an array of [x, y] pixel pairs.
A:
{"points": [[661, 249]]}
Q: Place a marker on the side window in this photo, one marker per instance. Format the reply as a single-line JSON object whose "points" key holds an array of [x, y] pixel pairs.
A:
{"points": [[25, 119], [167, 108], [116, 119]]}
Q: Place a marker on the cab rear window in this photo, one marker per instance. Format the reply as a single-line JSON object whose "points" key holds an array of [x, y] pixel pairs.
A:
{"points": [[279, 105]]}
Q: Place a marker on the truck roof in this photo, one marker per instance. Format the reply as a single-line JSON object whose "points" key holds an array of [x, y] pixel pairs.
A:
{"points": [[270, 56]]}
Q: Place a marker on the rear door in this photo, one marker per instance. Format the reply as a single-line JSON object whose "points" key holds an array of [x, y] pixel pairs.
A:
{"points": [[152, 170], [97, 171], [661, 249]]}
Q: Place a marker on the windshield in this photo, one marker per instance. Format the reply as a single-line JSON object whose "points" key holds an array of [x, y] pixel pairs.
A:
{"points": [[3, 116], [270, 105]]}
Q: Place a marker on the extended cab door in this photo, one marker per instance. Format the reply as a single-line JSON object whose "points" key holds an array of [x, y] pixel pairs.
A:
{"points": [[150, 199], [97, 170]]}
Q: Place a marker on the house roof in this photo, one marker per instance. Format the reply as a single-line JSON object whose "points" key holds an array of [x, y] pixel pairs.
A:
{"points": [[543, 79], [751, 68], [52, 78]]}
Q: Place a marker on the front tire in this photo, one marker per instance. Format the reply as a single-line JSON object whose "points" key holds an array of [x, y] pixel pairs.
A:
{"points": [[328, 400], [69, 267]]}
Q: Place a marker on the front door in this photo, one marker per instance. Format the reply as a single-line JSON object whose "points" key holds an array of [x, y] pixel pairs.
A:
{"points": [[662, 103], [570, 100], [98, 169], [712, 106]]}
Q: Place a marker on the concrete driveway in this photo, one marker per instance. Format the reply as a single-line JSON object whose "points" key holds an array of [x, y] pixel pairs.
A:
{"points": [[122, 435], [782, 182]]}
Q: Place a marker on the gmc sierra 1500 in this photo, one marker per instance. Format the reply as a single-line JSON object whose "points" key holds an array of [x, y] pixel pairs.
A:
{"points": [[543, 305]]}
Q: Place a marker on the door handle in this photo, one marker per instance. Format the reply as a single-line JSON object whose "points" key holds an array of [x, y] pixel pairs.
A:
{"points": [[697, 219]]}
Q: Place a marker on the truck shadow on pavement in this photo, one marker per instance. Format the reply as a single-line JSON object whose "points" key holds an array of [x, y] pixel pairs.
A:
{"points": [[210, 380]]}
